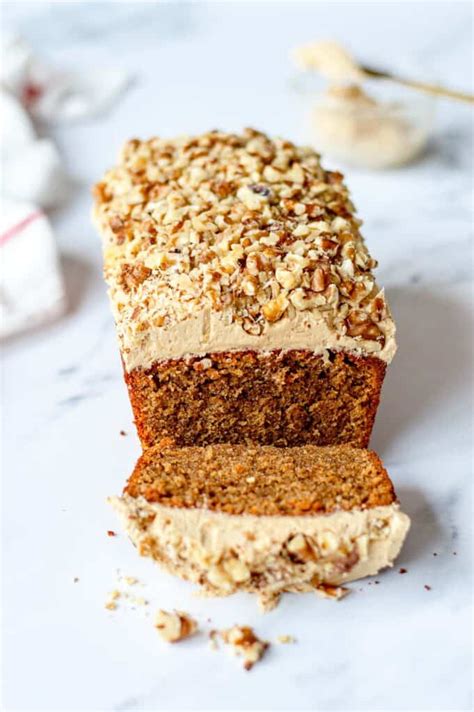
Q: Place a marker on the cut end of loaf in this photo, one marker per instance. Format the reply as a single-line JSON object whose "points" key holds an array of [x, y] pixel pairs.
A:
{"points": [[262, 480]]}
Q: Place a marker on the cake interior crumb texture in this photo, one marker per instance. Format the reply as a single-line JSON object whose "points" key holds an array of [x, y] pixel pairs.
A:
{"points": [[279, 398], [262, 480]]}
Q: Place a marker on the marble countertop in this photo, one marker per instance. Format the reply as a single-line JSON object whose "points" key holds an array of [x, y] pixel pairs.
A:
{"points": [[393, 644]]}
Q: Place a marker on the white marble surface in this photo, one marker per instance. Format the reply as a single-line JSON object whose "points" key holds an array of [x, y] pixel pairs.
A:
{"points": [[391, 645]]}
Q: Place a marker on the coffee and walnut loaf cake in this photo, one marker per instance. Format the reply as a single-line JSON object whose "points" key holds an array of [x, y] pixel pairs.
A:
{"points": [[243, 293], [261, 518]]}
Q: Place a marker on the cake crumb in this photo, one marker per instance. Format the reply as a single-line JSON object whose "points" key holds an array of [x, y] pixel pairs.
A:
{"points": [[123, 433], [76, 579], [435, 553], [174, 626], [285, 639], [245, 643], [402, 571], [130, 580], [111, 603], [110, 532], [428, 588], [325, 590], [268, 601]]}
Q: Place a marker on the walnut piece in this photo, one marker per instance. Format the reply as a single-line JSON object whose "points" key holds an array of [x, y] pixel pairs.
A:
{"points": [[245, 643], [325, 590], [174, 626]]}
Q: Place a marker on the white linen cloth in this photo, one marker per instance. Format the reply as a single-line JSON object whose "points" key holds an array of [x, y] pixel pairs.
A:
{"points": [[33, 177]]}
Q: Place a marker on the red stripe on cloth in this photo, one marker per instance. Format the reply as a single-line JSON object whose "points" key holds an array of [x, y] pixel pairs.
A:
{"points": [[19, 227]]}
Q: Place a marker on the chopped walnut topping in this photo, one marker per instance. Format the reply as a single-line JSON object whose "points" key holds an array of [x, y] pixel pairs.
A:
{"points": [[245, 643], [245, 225], [174, 626]]}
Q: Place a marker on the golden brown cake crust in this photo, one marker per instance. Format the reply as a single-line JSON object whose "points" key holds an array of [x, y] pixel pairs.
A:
{"points": [[279, 398], [262, 480]]}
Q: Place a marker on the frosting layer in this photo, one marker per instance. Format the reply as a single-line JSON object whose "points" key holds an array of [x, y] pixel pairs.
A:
{"points": [[208, 332], [265, 554]]}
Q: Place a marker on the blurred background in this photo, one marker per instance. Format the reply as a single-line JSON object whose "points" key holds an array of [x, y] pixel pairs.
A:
{"points": [[78, 80]]}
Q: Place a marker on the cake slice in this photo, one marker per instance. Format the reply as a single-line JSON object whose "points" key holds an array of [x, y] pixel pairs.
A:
{"points": [[262, 518], [243, 293]]}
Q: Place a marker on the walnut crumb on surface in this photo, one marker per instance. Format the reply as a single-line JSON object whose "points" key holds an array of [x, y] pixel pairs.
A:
{"points": [[174, 626], [285, 639], [335, 592], [245, 644], [111, 533]]}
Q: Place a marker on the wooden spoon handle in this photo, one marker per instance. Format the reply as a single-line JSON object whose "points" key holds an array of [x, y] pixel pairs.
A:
{"points": [[421, 86]]}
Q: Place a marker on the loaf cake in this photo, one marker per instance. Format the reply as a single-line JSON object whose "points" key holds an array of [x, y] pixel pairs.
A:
{"points": [[243, 293], [262, 518]]}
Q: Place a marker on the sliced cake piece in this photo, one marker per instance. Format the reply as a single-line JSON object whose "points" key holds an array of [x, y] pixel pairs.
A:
{"points": [[262, 518], [246, 306]]}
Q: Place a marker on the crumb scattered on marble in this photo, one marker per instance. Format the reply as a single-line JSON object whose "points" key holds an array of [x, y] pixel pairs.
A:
{"points": [[325, 590], [245, 643], [455, 553], [130, 580], [76, 579], [174, 626], [123, 433], [428, 588], [111, 603], [434, 553], [110, 532], [402, 571], [376, 582], [285, 639]]}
